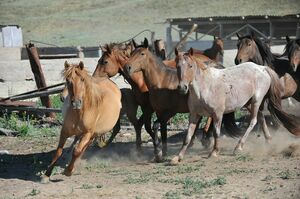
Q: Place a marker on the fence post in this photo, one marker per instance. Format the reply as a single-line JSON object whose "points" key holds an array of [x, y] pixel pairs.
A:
{"points": [[38, 75]]}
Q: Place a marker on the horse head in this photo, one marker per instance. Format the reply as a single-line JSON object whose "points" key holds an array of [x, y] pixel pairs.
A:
{"points": [[293, 52], [75, 76], [136, 62], [186, 69], [247, 50], [108, 64]]}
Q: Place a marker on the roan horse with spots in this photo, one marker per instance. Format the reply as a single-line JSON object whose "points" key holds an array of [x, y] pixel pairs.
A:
{"points": [[213, 92], [94, 109]]}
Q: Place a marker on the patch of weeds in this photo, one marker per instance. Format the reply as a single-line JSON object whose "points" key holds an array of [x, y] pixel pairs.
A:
{"points": [[118, 172], [270, 188], [33, 192], [138, 179], [100, 165], [267, 178], [241, 170], [244, 158], [56, 170], [99, 186], [186, 169], [287, 174], [86, 186], [193, 186], [172, 195]]}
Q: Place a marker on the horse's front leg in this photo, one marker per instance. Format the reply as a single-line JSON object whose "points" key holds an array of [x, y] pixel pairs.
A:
{"points": [[78, 151], [59, 150], [194, 118], [217, 118]]}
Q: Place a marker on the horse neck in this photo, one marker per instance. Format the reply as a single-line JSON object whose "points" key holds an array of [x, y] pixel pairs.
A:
{"points": [[214, 52], [158, 75], [92, 93]]}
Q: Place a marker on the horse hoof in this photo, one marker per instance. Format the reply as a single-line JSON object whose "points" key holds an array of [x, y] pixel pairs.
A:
{"points": [[213, 154], [238, 149], [45, 179], [268, 140], [175, 161], [67, 172]]}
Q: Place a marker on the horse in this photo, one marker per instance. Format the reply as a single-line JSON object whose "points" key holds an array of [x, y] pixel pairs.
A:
{"points": [[213, 92], [292, 51], [215, 52], [93, 109], [251, 48], [111, 62], [162, 82], [160, 48]]}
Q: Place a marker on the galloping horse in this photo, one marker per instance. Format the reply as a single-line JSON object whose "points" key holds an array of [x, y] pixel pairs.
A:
{"points": [[111, 62], [213, 92], [251, 48], [94, 108], [162, 82]]}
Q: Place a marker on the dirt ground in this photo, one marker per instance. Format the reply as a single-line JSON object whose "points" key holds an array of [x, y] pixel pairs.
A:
{"points": [[119, 171]]}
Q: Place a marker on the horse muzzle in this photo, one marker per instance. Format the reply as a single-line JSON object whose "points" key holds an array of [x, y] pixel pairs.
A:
{"points": [[77, 104], [183, 89], [128, 69]]}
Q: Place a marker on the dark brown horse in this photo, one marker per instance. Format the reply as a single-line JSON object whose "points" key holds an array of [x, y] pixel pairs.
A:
{"points": [[160, 48], [215, 52], [162, 82], [251, 48], [94, 107], [292, 50]]}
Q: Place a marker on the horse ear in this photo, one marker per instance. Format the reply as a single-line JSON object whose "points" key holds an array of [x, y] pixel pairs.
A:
{"points": [[287, 39], [108, 50], [134, 43], [81, 65], [67, 65], [238, 35], [176, 52], [252, 34], [146, 43], [191, 51], [215, 37]]}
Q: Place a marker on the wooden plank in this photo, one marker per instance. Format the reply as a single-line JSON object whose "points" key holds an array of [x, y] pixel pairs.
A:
{"points": [[33, 91], [30, 109], [38, 74], [37, 94], [16, 103], [58, 56]]}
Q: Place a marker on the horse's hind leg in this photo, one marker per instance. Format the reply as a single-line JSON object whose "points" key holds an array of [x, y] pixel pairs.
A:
{"points": [[192, 126], [116, 130], [254, 112], [262, 121], [78, 151], [59, 150]]}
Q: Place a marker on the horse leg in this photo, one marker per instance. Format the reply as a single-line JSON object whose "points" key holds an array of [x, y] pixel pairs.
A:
{"points": [[146, 118], [195, 132], [59, 150], [131, 114], [262, 121], [116, 130], [194, 118], [217, 118], [254, 112], [78, 151]]}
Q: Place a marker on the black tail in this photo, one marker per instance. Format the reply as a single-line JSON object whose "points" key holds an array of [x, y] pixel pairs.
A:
{"points": [[290, 122]]}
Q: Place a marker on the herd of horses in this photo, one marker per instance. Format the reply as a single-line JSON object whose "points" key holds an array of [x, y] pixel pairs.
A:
{"points": [[194, 82]]}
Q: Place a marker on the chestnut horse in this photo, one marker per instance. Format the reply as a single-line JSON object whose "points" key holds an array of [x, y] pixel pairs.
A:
{"points": [[162, 82], [94, 108], [213, 92], [251, 48]]}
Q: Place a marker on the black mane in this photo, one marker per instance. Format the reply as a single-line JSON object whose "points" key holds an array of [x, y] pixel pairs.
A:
{"points": [[290, 47]]}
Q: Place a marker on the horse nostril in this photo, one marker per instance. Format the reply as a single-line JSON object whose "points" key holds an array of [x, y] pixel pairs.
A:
{"points": [[240, 60], [185, 87]]}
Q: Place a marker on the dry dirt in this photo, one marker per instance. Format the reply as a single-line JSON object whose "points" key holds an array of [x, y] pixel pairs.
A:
{"points": [[119, 171]]}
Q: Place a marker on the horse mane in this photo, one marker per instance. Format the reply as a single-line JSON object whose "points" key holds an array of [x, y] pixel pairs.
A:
{"points": [[92, 93], [263, 48], [290, 47]]}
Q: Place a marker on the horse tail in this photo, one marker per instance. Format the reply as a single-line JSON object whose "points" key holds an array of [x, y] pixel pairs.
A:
{"points": [[230, 126], [290, 122]]}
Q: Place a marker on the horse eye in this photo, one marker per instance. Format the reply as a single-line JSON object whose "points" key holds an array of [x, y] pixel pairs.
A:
{"points": [[82, 79], [105, 62], [249, 44], [142, 53], [191, 65]]}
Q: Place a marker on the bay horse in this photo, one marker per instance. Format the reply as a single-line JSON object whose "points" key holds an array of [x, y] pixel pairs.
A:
{"points": [[213, 92], [215, 52], [162, 82], [251, 48], [292, 51], [94, 109]]}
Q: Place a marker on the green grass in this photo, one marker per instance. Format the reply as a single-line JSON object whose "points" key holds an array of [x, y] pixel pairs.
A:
{"points": [[92, 22], [33, 192]]}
